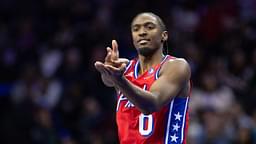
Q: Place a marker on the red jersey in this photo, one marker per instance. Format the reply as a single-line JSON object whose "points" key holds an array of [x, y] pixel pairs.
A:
{"points": [[166, 126]]}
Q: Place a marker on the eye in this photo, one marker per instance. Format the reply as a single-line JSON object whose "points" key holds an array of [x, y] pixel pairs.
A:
{"points": [[150, 26], [135, 28]]}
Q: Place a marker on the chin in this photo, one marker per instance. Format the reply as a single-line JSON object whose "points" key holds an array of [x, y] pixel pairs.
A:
{"points": [[146, 51]]}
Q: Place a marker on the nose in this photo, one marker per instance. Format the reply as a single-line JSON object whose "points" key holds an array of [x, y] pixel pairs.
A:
{"points": [[142, 32]]}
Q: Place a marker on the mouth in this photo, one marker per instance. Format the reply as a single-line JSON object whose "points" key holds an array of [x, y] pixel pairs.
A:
{"points": [[143, 41]]}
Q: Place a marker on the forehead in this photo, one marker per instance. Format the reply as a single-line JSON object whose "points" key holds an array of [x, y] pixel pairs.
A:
{"points": [[144, 18]]}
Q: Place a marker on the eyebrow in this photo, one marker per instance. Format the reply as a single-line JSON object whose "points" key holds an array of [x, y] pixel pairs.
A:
{"points": [[146, 23]]}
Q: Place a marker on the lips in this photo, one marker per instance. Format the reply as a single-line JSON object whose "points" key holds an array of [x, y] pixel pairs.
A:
{"points": [[142, 41]]}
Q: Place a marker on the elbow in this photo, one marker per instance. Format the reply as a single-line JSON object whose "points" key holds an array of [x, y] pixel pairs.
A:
{"points": [[150, 109], [146, 112], [151, 105]]}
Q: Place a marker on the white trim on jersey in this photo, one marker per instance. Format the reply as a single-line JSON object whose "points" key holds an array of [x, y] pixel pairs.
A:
{"points": [[176, 121], [164, 59], [120, 99], [127, 67], [168, 124], [136, 69], [157, 72], [184, 119]]}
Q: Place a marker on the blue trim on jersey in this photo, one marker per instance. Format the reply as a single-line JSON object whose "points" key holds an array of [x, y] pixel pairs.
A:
{"points": [[157, 73], [136, 69], [164, 59], [128, 66], [176, 121], [168, 123], [158, 70], [184, 119]]}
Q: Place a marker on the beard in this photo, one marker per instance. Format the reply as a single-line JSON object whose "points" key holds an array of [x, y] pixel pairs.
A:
{"points": [[146, 51]]}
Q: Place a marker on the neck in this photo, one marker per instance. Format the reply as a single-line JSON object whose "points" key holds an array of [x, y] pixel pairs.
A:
{"points": [[147, 62]]}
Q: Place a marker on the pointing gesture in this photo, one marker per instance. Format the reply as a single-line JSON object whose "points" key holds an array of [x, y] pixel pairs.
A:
{"points": [[115, 52], [112, 57], [113, 65]]}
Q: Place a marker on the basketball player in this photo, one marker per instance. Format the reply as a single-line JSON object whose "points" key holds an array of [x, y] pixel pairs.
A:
{"points": [[153, 89]]}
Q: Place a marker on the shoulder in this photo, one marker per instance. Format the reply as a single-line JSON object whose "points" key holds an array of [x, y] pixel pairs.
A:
{"points": [[177, 62], [177, 67]]}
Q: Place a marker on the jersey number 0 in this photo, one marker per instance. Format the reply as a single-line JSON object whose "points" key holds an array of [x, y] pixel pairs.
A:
{"points": [[145, 124]]}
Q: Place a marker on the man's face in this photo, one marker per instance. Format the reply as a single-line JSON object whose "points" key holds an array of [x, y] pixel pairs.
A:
{"points": [[146, 34]]}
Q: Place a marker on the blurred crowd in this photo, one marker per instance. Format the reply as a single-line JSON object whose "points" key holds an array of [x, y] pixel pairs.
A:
{"points": [[50, 92]]}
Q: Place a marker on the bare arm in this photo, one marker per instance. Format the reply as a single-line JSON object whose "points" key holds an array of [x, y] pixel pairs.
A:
{"points": [[107, 82], [104, 73], [173, 76]]}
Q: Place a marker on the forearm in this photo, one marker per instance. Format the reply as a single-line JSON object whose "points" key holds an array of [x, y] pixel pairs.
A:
{"points": [[144, 100]]}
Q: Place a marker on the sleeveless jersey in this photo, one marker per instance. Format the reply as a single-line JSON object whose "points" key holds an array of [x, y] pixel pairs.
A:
{"points": [[166, 126]]}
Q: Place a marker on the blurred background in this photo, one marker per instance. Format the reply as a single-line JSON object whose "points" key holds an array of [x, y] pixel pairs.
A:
{"points": [[50, 92]]}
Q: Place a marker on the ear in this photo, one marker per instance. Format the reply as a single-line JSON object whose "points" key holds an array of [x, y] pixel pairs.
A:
{"points": [[164, 36]]}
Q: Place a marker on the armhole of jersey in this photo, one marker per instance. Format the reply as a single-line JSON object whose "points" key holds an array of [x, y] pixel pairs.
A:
{"points": [[136, 69], [128, 66], [157, 73], [158, 70]]}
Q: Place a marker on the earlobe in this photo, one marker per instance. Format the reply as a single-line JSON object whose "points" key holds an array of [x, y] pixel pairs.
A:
{"points": [[164, 36]]}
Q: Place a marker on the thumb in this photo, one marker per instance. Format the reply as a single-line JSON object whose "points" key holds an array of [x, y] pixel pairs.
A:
{"points": [[123, 60], [123, 67]]}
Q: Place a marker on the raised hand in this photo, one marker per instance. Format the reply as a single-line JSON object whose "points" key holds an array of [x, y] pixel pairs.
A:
{"points": [[112, 57], [113, 66], [115, 51]]}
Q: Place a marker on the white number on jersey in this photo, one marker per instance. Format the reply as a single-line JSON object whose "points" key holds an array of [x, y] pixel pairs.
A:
{"points": [[145, 124]]}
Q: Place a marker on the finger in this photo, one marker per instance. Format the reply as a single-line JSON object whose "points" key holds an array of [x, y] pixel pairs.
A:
{"points": [[114, 46], [117, 63], [111, 69], [109, 53], [109, 49], [98, 65], [122, 60], [114, 70], [101, 68], [123, 67], [115, 50]]}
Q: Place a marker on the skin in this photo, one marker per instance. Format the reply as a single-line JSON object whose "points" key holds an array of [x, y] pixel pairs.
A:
{"points": [[174, 75]]}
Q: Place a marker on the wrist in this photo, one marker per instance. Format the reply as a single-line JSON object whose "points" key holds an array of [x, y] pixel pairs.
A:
{"points": [[120, 81]]}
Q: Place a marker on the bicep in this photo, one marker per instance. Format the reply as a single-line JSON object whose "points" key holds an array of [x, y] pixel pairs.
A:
{"points": [[171, 81], [164, 90]]}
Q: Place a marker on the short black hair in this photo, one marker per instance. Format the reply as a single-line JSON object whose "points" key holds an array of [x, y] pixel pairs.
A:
{"points": [[159, 20]]}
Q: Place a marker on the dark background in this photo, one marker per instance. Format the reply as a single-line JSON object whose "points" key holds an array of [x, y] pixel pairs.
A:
{"points": [[50, 92]]}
